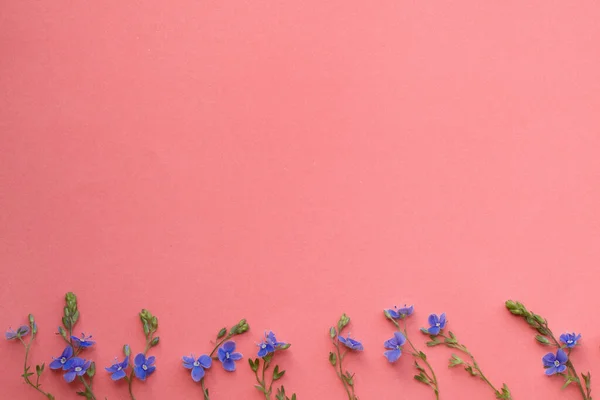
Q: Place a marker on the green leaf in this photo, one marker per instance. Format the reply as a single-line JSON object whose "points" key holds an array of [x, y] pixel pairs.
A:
{"points": [[253, 364], [285, 346], [260, 388], [455, 360], [332, 358], [39, 369], [277, 374], [542, 339], [332, 332], [422, 378], [91, 370]]}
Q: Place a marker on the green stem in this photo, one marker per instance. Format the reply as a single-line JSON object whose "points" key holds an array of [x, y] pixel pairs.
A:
{"points": [[204, 391], [340, 371], [570, 365], [229, 336], [87, 387], [417, 353], [465, 350], [265, 391], [25, 369], [129, 380]]}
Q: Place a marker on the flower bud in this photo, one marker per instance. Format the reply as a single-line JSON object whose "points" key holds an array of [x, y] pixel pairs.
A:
{"points": [[92, 370], [332, 332], [155, 341], [222, 333], [126, 350]]}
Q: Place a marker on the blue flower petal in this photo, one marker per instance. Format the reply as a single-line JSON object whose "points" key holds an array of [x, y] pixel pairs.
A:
{"points": [[197, 373], [140, 373], [139, 360], [228, 346], [551, 371], [229, 365], [443, 320], [561, 356], [393, 355], [236, 356], [400, 339], [70, 376], [433, 320], [205, 361], [548, 360], [434, 330], [118, 375]]}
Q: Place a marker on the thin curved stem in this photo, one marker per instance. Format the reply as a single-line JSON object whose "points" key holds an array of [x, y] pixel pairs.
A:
{"points": [[25, 370]]}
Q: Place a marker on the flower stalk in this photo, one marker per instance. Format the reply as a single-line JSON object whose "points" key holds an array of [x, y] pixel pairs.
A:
{"points": [[547, 338]]}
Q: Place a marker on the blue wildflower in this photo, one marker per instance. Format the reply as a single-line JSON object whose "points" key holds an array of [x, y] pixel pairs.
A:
{"points": [[227, 356], [570, 339], [395, 347], [555, 363], [75, 367], [436, 324], [197, 366], [401, 313], [143, 366], [117, 370], [84, 342], [351, 343], [22, 331], [60, 362], [269, 345]]}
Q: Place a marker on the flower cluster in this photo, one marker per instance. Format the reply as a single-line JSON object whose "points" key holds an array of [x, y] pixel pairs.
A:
{"points": [[336, 358], [437, 324], [226, 354], [394, 346], [143, 365], [266, 351], [555, 363], [69, 362]]}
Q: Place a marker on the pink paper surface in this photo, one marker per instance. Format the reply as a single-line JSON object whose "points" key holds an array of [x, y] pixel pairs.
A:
{"points": [[289, 161]]}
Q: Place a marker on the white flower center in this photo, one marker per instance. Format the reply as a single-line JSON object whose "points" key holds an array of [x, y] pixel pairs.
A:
{"points": [[227, 356], [145, 367], [570, 341], [63, 360], [438, 324], [556, 363], [196, 363], [264, 346], [119, 368], [78, 369]]}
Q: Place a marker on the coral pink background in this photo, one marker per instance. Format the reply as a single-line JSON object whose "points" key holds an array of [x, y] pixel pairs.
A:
{"points": [[289, 161]]}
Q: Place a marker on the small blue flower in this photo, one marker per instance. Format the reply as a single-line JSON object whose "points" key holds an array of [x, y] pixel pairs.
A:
{"points": [[269, 345], [197, 366], [22, 331], [436, 324], [401, 313], [227, 356], [555, 363], [395, 347], [75, 367], [84, 342], [570, 339], [351, 343], [117, 370], [143, 366], [60, 362]]}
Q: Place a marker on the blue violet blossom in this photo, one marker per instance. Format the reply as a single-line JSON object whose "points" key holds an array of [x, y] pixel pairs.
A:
{"points": [[60, 362], [269, 345], [83, 342], [228, 356], [21, 332], [117, 370], [400, 313], [143, 366], [555, 363], [395, 347], [75, 367], [436, 324], [197, 365], [570, 339], [351, 343]]}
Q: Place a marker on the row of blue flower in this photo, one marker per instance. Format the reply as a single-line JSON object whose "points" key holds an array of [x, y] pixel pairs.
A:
{"points": [[75, 367]]}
